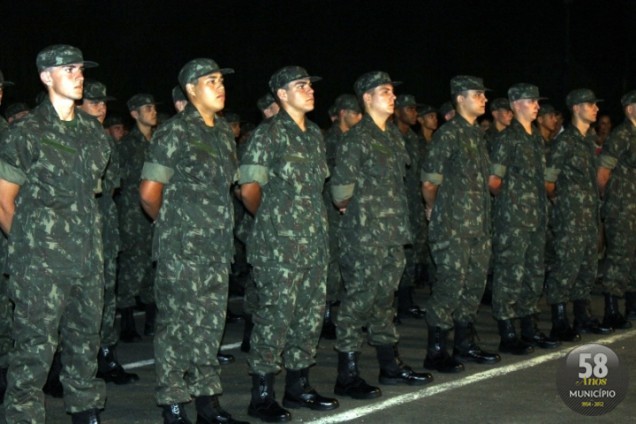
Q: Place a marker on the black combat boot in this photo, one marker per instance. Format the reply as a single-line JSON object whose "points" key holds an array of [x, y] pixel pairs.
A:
{"points": [[584, 323], [406, 307], [630, 305], [231, 317], [531, 334], [110, 370], [561, 329], [151, 319], [174, 414], [300, 394], [613, 317], [437, 357], [128, 332], [225, 358], [394, 371], [90, 416], [328, 326], [53, 386], [247, 334], [263, 404], [349, 383], [466, 350], [509, 341], [209, 411], [3, 384]]}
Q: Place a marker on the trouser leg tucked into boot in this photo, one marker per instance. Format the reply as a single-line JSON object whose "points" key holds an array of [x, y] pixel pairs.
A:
{"points": [[349, 383], [584, 323], [110, 370], [437, 356], [509, 341], [263, 404], [328, 326], [209, 411], [300, 394], [531, 334], [613, 317], [247, 334], [174, 414], [467, 350], [394, 371], [561, 329], [406, 307], [90, 416]]}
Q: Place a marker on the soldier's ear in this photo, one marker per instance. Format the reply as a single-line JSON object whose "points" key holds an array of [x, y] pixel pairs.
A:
{"points": [[366, 98], [134, 114], [45, 77], [190, 90], [281, 93]]}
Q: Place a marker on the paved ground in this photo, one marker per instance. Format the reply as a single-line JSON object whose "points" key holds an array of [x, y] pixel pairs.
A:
{"points": [[517, 390]]}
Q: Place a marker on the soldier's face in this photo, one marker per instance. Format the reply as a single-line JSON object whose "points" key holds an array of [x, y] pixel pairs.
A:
{"points": [[586, 112], [147, 115], [475, 102], [96, 108], [604, 125], [381, 99], [428, 121], [503, 116], [351, 118], [407, 114], [527, 109], [66, 81], [271, 110], [299, 95], [209, 92], [548, 121], [117, 131]]}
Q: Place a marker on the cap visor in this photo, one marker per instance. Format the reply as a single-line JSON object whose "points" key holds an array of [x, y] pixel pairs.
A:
{"points": [[226, 71], [90, 64], [6, 84]]}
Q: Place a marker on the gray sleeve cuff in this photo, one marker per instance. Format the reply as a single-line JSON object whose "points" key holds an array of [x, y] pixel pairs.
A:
{"points": [[253, 174], [432, 177], [342, 192], [607, 161], [155, 172], [551, 174], [12, 174], [498, 170]]}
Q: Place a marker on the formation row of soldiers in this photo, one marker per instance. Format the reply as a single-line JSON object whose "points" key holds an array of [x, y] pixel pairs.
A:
{"points": [[390, 202]]}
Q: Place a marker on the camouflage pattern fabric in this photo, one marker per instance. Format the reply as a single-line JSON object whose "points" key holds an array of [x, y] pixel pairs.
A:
{"points": [[619, 210], [370, 168], [3, 124], [136, 273], [288, 245], [55, 258], [519, 223], [193, 247], [459, 229], [575, 216]]}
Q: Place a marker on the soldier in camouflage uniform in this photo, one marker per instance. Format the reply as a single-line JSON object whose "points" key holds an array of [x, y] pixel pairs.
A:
{"points": [[617, 182], [282, 175], [186, 188], [455, 188], [136, 273], [94, 103], [501, 119], [570, 180], [3, 83], [179, 99], [368, 188], [348, 114], [414, 252], [50, 165], [519, 221]]}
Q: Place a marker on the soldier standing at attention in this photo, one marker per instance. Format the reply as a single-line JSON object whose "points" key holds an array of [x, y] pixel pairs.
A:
{"points": [[368, 188], [282, 175], [501, 119], [136, 273], [519, 220], [50, 165], [455, 188], [570, 181], [616, 177], [186, 189]]}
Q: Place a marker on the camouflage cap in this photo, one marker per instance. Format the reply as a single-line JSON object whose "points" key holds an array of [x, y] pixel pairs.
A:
{"points": [[581, 95], [405, 100], [500, 103], [546, 109], [59, 55], [139, 100], [196, 68], [371, 80], [347, 102], [95, 90], [522, 91], [461, 83], [178, 95], [232, 117], [3, 82], [14, 109], [265, 101], [445, 108], [288, 74], [113, 120], [423, 110], [628, 98]]}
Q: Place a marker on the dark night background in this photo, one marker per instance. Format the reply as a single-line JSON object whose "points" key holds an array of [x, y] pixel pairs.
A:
{"points": [[141, 45]]}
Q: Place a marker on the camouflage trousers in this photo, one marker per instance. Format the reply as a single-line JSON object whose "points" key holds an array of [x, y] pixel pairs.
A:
{"points": [[109, 336], [136, 276], [250, 298], [6, 319], [462, 267], [334, 275], [619, 264], [289, 317], [371, 275], [518, 272], [191, 305], [415, 263], [52, 308], [572, 274]]}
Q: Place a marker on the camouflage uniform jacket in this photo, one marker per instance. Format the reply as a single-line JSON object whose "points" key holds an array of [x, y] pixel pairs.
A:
{"points": [[619, 155], [572, 166], [56, 226], [370, 170], [491, 135], [291, 223], [3, 124], [110, 182], [416, 149], [457, 162], [333, 138], [198, 166], [520, 162]]}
